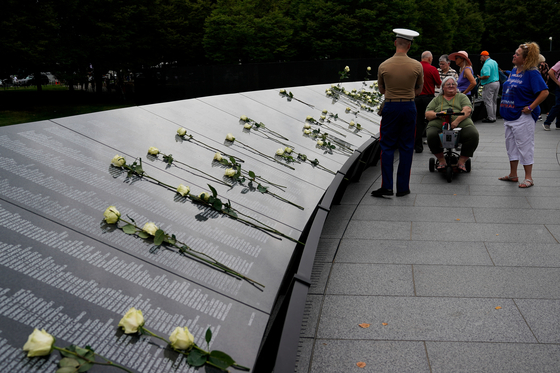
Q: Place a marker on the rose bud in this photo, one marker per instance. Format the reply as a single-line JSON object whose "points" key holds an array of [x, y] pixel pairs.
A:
{"points": [[153, 150], [218, 156], [230, 172], [288, 150], [181, 132], [183, 190], [131, 321], [248, 126], [347, 69], [307, 125], [39, 343], [111, 215], [307, 132], [181, 339], [204, 196], [282, 91], [244, 118], [309, 117], [280, 151], [323, 117], [230, 137], [368, 68], [324, 111], [348, 109], [352, 124], [118, 161], [320, 142], [150, 228]]}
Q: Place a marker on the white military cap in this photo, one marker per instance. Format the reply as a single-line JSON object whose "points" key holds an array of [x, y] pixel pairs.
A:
{"points": [[405, 33]]}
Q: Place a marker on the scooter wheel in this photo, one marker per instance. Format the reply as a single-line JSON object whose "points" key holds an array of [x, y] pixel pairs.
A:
{"points": [[449, 173]]}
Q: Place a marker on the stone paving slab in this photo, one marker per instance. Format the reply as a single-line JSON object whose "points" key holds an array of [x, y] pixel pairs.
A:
{"points": [[486, 281], [370, 279], [543, 317], [462, 357], [480, 232], [471, 201], [405, 213], [341, 356], [515, 216], [524, 254], [412, 252], [422, 319]]}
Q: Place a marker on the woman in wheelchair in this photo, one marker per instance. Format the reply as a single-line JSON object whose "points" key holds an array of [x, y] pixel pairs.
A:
{"points": [[450, 98]]}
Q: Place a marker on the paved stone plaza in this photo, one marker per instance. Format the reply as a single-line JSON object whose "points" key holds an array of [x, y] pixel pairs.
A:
{"points": [[455, 277]]}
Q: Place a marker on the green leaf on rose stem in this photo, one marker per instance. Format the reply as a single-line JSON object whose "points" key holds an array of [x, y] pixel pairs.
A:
{"points": [[172, 240], [85, 367], [214, 192], [221, 359], [208, 336], [67, 370], [197, 358], [217, 204], [143, 235], [68, 362], [168, 159], [129, 229], [159, 237], [262, 189], [252, 175]]}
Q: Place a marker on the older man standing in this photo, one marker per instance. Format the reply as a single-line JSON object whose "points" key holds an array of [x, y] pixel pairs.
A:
{"points": [[431, 82], [490, 81], [400, 79]]}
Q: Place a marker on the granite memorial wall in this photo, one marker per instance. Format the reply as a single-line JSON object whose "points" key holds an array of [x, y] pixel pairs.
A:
{"points": [[67, 270]]}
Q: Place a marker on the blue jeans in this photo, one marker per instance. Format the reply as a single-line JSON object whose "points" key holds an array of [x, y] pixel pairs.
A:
{"points": [[553, 114], [398, 127]]}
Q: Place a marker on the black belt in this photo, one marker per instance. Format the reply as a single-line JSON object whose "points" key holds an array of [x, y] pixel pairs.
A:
{"points": [[398, 99]]}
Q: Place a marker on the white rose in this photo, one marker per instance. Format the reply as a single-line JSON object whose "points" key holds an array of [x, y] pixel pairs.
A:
{"points": [[309, 117], [307, 132], [118, 161], [248, 126], [352, 124], [181, 132], [111, 215], [218, 156], [348, 109], [329, 92], [183, 190], [181, 339], [324, 111], [347, 69], [323, 117], [282, 91], [132, 320], [307, 125], [150, 228], [230, 172], [320, 142], [280, 151], [288, 150], [39, 343], [368, 68], [244, 118], [204, 196], [230, 137], [153, 150]]}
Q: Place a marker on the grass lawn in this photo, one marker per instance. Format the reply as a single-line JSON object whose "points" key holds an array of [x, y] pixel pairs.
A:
{"points": [[25, 104]]}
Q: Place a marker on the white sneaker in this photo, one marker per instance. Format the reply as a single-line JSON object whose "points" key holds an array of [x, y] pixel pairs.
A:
{"points": [[546, 127]]}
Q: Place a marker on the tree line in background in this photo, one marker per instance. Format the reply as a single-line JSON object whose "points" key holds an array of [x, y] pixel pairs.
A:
{"points": [[73, 37]]}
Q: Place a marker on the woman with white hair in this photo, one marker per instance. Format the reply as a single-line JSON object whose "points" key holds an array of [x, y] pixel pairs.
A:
{"points": [[450, 98]]}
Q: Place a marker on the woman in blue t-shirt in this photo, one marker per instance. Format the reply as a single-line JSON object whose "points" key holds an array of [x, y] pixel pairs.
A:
{"points": [[522, 93]]}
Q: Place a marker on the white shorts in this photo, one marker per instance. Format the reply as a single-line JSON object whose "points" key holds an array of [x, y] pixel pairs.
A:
{"points": [[520, 139]]}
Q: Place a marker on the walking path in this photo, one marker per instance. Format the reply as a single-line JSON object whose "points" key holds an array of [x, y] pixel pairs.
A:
{"points": [[455, 277]]}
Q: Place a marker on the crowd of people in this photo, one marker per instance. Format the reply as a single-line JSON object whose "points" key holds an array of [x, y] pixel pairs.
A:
{"points": [[417, 95]]}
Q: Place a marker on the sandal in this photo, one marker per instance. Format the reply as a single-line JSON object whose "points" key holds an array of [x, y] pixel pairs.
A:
{"points": [[527, 183], [441, 167], [509, 178], [461, 168]]}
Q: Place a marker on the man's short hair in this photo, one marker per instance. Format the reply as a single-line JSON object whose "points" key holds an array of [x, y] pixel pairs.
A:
{"points": [[426, 54], [402, 43]]}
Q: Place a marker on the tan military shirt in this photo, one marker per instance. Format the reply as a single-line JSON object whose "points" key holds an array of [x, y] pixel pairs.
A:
{"points": [[400, 75]]}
